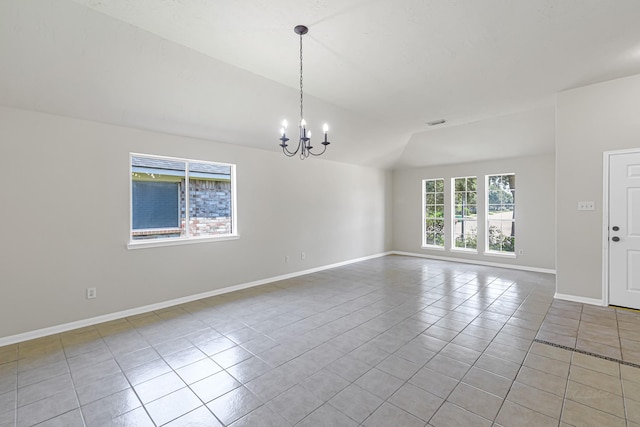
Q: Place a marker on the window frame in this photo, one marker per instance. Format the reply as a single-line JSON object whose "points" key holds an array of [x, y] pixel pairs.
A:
{"points": [[452, 234], [487, 250], [426, 245], [187, 239]]}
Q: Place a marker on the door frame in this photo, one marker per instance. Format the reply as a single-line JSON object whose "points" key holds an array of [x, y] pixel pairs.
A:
{"points": [[606, 156]]}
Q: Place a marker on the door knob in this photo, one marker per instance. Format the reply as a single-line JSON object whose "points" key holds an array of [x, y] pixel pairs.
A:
{"points": [[615, 238], [615, 228]]}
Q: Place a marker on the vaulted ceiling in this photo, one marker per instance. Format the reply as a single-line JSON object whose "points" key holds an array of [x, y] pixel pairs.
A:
{"points": [[376, 70]]}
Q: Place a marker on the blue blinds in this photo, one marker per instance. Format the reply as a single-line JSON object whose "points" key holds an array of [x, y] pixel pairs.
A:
{"points": [[155, 205]]}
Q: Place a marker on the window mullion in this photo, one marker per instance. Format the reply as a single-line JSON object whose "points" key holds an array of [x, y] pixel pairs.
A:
{"points": [[187, 197]]}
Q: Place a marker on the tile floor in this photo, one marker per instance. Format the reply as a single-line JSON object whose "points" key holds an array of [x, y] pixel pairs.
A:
{"points": [[605, 331], [394, 341]]}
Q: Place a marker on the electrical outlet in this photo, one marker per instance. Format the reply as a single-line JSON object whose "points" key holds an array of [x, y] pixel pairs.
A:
{"points": [[91, 293], [303, 256], [286, 259]]}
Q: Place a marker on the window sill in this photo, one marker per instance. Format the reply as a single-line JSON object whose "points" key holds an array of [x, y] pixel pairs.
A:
{"points": [[141, 244], [501, 254], [433, 248], [464, 251]]}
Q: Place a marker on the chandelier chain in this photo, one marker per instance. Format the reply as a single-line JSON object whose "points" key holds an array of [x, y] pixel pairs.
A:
{"points": [[301, 115]]}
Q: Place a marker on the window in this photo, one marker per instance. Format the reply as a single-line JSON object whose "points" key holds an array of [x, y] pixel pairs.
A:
{"points": [[465, 221], [433, 213], [501, 208], [179, 199]]}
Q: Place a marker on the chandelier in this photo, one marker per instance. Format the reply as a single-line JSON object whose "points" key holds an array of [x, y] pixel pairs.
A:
{"points": [[304, 148]]}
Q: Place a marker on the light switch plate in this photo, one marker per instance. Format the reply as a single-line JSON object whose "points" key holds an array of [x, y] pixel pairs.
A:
{"points": [[587, 206]]}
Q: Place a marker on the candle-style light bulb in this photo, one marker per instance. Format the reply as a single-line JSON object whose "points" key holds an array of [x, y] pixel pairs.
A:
{"points": [[325, 128], [284, 124], [308, 134], [282, 131], [303, 123]]}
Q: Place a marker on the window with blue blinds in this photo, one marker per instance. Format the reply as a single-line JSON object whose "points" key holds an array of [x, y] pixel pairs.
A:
{"points": [[155, 205]]}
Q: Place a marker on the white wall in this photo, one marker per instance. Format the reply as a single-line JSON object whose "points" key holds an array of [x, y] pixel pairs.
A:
{"points": [[535, 224], [65, 217], [590, 121]]}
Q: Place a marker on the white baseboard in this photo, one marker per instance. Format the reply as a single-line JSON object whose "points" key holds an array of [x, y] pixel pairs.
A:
{"points": [[583, 300], [39, 333], [478, 262]]}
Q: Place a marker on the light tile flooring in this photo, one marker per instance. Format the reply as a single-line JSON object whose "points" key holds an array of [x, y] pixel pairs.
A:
{"points": [[394, 341], [608, 332]]}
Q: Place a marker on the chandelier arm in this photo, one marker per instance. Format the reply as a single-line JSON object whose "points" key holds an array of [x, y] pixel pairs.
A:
{"points": [[288, 153], [320, 153]]}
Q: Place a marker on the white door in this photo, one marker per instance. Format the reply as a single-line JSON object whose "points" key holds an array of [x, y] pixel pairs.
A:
{"points": [[624, 229]]}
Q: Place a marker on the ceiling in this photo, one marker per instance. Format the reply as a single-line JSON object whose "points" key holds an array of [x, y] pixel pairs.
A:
{"points": [[376, 70]]}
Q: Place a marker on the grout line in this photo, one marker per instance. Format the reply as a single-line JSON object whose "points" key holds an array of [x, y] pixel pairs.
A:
{"points": [[566, 384], [618, 333], [73, 384], [15, 415], [566, 389], [588, 353], [624, 401]]}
